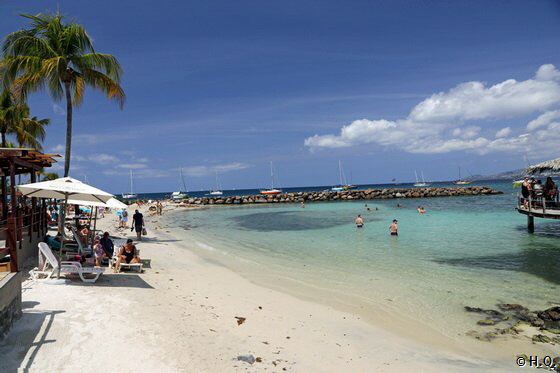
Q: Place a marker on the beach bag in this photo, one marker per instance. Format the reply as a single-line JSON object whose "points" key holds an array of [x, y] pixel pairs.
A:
{"points": [[144, 231]]}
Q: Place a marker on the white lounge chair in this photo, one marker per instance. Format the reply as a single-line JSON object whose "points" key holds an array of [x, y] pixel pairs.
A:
{"points": [[49, 266], [82, 250], [137, 266]]}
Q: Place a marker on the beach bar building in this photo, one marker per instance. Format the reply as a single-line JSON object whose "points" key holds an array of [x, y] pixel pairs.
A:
{"points": [[23, 223], [540, 207]]}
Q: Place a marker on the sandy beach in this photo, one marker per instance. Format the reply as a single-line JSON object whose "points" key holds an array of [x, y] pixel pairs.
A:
{"points": [[188, 314]]}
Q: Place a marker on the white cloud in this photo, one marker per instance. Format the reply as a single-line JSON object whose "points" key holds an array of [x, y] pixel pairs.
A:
{"points": [[543, 120], [504, 132], [132, 165], [58, 149], [547, 72], [462, 119], [469, 132], [197, 171], [58, 110], [103, 158], [143, 173]]}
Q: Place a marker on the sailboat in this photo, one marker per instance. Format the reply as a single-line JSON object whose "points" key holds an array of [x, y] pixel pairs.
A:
{"points": [[343, 184], [180, 195], [272, 190], [217, 191], [461, 181], [420, 183], [131, 194]]}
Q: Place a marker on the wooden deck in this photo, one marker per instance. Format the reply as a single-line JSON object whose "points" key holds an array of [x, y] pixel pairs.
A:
{"points": [[539, 212], [537, 208]]}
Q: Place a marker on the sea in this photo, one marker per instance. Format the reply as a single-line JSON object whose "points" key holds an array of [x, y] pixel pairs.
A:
{"points": [[465, 251]]}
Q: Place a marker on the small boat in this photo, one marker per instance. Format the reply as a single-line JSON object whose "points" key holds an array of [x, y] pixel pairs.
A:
{"points": [[461, 181], [217, 191], [420, 183], [343, 184], [272, 190], [130, 195], [180, 195]]}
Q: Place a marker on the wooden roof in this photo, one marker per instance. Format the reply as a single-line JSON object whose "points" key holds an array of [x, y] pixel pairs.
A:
{"points": [[24, 159]]}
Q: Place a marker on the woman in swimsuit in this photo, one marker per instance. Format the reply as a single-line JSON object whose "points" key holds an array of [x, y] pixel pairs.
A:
{"points": [[127, 254]]}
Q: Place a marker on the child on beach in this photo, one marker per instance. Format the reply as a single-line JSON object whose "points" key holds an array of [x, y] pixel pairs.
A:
{"points": [[98, 252]]}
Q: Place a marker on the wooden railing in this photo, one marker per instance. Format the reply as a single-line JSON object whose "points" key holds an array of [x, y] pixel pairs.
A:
{"points": [[15, 229], [538, 204]]}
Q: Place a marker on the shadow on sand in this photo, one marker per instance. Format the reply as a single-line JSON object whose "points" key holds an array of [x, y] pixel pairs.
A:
{"points": [[23, 342], [120, 280]]}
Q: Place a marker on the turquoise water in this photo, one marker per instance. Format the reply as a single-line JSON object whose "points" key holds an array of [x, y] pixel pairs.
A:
{"points": [[465, 251]]}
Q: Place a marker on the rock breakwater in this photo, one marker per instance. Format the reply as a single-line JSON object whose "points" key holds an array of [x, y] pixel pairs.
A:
{"points": [[347, 195]]}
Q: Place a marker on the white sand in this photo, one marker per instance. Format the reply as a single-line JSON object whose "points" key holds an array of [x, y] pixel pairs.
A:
{"points": [[180, 316]]}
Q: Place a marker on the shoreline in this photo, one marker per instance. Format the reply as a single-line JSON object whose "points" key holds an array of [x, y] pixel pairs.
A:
{"points": [[384, 315], [180, 316]]}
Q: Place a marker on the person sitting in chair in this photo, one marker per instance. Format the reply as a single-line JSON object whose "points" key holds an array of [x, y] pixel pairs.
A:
{"points": [[127, 254]]}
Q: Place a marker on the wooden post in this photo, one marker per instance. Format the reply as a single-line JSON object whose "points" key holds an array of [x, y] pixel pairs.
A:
{"points": [[11, 242], [33, 221], [530, 224]]}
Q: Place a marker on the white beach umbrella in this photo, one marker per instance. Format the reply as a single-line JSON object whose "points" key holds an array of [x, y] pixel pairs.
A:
{"points": [[64, 188], [112, 203]]}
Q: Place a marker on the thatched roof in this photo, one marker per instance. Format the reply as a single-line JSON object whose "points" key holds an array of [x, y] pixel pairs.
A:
{"points": [[552, 165]]}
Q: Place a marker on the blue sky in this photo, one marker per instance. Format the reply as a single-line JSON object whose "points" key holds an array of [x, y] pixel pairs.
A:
{"points": [[387, 87]]}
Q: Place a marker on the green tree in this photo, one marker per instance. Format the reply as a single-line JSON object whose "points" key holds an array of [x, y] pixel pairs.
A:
{"points": [[60, 57], [14, 119], [11, 114], [45, 176]]}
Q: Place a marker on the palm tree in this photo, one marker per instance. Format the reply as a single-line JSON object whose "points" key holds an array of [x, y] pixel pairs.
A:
{"points": [[48, 175], [59, 56], [14, 119], [31, 132], [11, 114]]}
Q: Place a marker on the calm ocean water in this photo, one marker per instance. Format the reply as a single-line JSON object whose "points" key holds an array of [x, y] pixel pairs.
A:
{"points": [[465, 251]]}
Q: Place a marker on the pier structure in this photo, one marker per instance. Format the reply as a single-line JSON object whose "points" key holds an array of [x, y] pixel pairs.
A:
{"points": [[537, 207]]}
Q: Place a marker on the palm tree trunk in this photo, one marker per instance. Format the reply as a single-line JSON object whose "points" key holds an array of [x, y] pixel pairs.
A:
{"points": [[3, 139], [68, 128]]}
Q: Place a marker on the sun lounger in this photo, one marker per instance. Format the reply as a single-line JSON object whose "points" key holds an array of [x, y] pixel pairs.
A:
{"points": [[137, 266], [49, 266], [82, 250]]}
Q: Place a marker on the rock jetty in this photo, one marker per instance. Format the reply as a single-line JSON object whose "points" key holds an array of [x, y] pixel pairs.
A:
{"points": [[346, 195]]}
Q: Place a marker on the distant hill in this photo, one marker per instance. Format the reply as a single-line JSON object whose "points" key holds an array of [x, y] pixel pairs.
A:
{"points": [[507, 175]]}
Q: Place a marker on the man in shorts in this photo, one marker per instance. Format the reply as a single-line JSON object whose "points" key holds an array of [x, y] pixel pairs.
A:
{"points": [[138, 224], [394, 228]]}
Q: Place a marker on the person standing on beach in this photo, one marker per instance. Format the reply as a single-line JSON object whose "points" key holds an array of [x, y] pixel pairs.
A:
{"points": [[138, 224], [394, 228], [159, 208], [359, 221], [124, 218]]}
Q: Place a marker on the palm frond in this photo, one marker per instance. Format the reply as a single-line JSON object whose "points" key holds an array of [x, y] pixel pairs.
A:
{"points": [[76, 40], [78, 87], [105, 84], [100, 61]]}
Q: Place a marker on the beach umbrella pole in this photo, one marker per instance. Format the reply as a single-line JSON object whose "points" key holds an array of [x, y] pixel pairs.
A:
{"points": [[61, 220], [94, 225]]}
